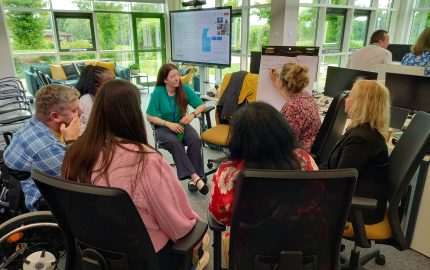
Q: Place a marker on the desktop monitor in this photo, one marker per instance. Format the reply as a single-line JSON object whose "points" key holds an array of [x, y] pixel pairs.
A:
{"points": [[254, 66], [409, 91], [398, 51], [341, 79]]}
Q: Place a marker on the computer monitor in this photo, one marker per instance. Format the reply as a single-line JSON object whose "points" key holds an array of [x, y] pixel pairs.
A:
{"points": [[340, 79], [254, 66], [398, 117], [398, 51], [409, 91]]}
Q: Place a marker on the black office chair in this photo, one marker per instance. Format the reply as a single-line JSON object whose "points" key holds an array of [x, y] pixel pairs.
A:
{"points": [[331, 129], [404, 161], [103, 229], [41, 78], [287, 219]]}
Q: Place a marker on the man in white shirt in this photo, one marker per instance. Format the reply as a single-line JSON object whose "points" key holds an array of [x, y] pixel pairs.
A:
{"points": [[374, 53]]}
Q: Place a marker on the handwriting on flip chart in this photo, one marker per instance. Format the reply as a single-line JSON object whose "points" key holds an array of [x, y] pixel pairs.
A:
{"points": [[267, 92]]}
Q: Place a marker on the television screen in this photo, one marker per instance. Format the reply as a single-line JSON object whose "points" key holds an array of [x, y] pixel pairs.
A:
{"points": [[201, 36], [409, 91], [341, 79], [398, 51]]}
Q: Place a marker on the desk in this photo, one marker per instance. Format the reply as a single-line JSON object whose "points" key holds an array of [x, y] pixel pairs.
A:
{"points": [[134, 78]]}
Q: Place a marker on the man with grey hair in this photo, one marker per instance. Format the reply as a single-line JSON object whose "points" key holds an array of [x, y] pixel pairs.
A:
{"points": [[41, 143], [374, 53]]}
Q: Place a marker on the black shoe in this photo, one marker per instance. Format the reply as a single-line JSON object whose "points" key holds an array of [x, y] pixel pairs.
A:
{"points": [[192, 187], [204, 189]]}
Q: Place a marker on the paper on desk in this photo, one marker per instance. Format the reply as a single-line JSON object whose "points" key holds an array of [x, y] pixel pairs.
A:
{"points": [[266, 90]]}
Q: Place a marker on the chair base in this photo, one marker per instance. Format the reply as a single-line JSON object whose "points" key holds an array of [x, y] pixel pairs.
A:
{"points": [[356, 262]]}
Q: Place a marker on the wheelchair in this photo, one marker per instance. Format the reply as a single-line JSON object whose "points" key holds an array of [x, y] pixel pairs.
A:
{"points": [[27, 240]]}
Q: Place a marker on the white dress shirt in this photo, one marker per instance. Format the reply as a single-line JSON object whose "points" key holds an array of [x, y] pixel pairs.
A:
{"points": [[367, 57]]}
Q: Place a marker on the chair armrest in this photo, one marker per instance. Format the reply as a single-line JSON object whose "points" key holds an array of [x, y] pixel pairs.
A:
{"points": [[214, 225], [188, 242], [363, 203], [207, 116], [358, 205]]}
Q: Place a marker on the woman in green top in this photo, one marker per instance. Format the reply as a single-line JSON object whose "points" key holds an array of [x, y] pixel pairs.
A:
{"points": [[167, 109]]}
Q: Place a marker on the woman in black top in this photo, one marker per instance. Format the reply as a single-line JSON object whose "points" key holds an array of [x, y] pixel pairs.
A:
{"points": [[363, 145]]}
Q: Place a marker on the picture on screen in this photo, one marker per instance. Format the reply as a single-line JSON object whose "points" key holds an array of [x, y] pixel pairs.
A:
{"points": [[201, 36]]}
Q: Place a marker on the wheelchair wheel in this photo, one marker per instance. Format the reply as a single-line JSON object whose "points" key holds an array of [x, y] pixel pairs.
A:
{"points": [[31, 241]]}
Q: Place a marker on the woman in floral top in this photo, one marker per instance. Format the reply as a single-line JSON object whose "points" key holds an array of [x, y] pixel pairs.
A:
{"points": [[300, 108], [260, 139], [420, 55]]}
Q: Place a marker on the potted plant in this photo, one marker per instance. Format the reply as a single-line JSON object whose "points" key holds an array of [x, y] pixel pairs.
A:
{"points": [[134, 69]]}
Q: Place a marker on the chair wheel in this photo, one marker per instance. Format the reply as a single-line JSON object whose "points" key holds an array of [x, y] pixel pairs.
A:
{"points": [[210, 165], [380, 260]]}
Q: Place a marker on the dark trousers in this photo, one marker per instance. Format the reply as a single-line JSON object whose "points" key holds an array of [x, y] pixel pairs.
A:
{"points": [[187, 162]]}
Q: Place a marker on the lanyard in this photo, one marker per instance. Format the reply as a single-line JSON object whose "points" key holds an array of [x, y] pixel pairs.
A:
{"points": [[172, 106]]}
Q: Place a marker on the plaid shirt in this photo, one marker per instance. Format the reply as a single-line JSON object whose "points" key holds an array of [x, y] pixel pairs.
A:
{"points": [[34, 147]]}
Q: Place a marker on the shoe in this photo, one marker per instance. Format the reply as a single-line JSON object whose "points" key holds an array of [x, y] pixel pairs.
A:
{"points": [[192, 187], [203, 188], [203, 262]]}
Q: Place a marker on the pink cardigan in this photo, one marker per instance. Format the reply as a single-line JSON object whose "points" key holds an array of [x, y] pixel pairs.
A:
{"points": [[155, 190]]}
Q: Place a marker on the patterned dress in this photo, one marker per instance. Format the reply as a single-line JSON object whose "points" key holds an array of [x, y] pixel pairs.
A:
{"points": [[222, 195], [422, 60], [302, 114]]}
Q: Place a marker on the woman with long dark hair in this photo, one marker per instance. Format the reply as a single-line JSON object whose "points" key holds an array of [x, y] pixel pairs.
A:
{"points": [[260, 138], [91, 79], [167, 109], [113, 151]]}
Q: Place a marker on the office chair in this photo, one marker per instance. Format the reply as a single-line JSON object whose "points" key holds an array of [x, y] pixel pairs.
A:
{"points": [[103, 229], [287, 219], [218, 135], [40, 76], [404, 161], [331, 129]]}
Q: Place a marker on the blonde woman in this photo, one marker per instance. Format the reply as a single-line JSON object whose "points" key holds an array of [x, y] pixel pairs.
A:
{"points": [[363, 145], [420, 55], [300, 108]]}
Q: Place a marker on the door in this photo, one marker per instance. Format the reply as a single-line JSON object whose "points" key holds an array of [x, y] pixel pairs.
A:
{"points": [[149, 43]]}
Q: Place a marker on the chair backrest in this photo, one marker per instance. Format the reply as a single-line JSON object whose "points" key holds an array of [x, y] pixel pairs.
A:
{"points": [[281, 212], [248, 93], [404, 161], [41, 77], [98, 220], [331, 129]]}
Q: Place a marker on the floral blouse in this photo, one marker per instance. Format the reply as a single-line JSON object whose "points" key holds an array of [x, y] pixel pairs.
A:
{"points": [[222, 195], [422, 60], [302, 114]]}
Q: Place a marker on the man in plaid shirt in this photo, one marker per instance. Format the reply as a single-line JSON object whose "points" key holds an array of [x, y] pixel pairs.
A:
{"points": [[41, 143]]}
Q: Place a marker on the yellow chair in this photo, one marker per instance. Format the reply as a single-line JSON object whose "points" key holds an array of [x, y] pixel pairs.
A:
{"points": [[404, 161], [218, 135]]}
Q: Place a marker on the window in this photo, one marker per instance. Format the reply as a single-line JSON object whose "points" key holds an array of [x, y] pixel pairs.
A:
{"points": [[382, 19], [360, 22], [111, 6], [77, 57], [326, 61], [30, 31], [120, 58], [113, 31], [258, 2], [339, 2], [23, 63], [307, 26], [151, 8], [26, 3], [363, 3], [385, 3], [309, 1], [75, 32], [72, 5], [259, 28], [422, 3], [334, 26], [420, 22], [233, 3], [236, 25]]}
